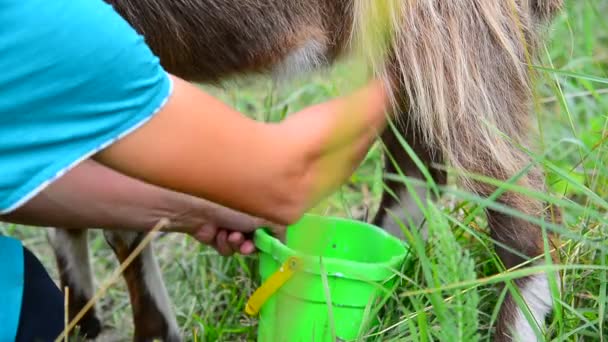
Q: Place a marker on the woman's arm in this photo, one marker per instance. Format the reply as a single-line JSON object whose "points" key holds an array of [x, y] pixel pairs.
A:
{"points": [[90, 79], [196, 144], [94, 196]]}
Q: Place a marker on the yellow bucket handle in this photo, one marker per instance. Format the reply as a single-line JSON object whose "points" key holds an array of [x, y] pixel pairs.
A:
{"points": [[271, 285]]}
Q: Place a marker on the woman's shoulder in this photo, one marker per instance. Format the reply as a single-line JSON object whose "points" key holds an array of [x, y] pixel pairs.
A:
{"points": [[75, 78]]}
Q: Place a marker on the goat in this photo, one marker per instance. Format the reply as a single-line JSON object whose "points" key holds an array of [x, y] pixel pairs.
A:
{"points": [[461, 79]]}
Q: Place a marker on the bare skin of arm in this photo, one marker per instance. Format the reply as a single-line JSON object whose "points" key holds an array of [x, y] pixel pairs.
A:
{"points": [[197, 145], [95, 196], [271, 170]]}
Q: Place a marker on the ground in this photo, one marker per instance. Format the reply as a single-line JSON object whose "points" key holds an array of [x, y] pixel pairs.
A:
{"points": [[571, 123]]}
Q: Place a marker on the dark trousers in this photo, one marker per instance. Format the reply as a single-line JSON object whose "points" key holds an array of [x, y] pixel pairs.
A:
{"points": [[41, 317]]}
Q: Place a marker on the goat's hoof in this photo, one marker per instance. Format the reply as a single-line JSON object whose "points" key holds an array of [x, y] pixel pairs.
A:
{"points": [[89, 327]]}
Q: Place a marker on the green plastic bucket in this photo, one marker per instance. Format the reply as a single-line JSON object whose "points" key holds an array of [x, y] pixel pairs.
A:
{"points": [[348, 263]]}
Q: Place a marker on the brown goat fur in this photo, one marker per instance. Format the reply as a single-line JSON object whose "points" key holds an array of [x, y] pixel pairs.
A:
{"points": [[461, 84]]}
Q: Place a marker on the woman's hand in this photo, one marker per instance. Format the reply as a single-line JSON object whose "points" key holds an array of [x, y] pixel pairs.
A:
{"points": [[228, 231], [326, 143]]}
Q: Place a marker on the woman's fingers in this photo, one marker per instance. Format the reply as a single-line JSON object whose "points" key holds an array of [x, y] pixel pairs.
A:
{"points": [[206, 234], [240, 244], [247, 247], [222, 245], [210, 235], [235, 240], [225, 242]]}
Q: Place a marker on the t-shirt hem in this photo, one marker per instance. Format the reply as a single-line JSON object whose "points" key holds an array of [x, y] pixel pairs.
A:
{"points": [[50, 174]]}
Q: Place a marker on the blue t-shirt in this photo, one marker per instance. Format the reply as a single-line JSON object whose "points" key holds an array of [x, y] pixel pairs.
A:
{"points": [[11, 287], [74, 77]]}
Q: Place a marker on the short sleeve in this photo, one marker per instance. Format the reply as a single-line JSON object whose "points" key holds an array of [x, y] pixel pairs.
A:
{"points": [[75, 78]]}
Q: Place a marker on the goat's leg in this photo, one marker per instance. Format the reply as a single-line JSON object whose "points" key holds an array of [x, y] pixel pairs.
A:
{"points": [[398, 205], [512, 324], [526, 238], [517, 241], [72, 256], [153, 317]]}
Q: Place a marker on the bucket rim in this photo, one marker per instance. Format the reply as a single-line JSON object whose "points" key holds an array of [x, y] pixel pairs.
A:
{"points": [[350, 269]]}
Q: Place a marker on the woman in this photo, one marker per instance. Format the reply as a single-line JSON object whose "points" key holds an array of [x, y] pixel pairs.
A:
{"points": [[80, 88]]}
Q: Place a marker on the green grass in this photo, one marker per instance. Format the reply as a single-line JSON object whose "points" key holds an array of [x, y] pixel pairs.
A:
{"points": [[450, 292]]}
